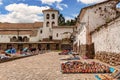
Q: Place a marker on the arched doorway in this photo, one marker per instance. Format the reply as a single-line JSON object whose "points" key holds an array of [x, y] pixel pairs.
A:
{"points": [[39, 46], [0, 47], [48, 46], [57, 46], [25, 39], [20, 47], [20, 39], [14, 39], [9, 46], [50, 37]]}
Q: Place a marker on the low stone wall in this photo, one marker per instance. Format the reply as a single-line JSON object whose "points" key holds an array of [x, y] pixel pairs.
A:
{"points": [[110, 58]]}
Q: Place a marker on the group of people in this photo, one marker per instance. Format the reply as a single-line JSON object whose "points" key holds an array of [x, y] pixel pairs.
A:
{"points": [[12, 52], [71, 53]]}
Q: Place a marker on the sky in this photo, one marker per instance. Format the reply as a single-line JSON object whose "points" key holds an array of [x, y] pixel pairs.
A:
{"points": [[29, 11]]}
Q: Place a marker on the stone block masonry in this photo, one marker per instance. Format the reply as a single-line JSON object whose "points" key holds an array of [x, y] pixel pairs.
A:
{"points": [[107, 57]]}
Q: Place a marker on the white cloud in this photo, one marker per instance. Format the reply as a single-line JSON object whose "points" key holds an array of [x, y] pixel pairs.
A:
{"points": [[58, 3], [75, 15], [118, 5], [1, 2], [90, 1], [21, 13], [68, 18], [50, 2], [60, 6]]}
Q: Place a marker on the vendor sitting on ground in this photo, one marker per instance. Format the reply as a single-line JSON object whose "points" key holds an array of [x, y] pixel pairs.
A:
{"points": [[73, 54], [11, 50], [3, 55]]}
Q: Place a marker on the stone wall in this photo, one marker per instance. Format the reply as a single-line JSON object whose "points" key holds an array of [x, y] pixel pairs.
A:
{"points": [[109, 58], [107, 38]]}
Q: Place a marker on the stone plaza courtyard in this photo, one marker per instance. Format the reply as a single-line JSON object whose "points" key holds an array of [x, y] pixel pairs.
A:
{"points": [[40, 67]]}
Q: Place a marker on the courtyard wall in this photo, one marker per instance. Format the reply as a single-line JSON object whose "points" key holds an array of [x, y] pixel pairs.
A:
{"points": [[107, 38]]}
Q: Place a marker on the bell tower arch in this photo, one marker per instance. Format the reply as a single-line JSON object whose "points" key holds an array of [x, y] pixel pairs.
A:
{"points": [[50, 20]]}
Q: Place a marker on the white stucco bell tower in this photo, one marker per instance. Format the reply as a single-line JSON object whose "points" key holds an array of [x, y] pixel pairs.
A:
{"points": [[50, 20]]}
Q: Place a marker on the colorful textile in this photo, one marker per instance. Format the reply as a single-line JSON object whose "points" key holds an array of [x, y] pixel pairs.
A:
{"points": [[8, 51], [112, 69], [25, 49], [13, 50], [97, 77]]}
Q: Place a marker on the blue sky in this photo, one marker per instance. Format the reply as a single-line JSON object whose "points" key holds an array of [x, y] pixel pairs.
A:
{"points": [[20, 11]]}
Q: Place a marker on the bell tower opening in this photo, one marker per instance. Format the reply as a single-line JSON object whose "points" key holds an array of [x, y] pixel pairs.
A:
{"points": [[50, 20]]}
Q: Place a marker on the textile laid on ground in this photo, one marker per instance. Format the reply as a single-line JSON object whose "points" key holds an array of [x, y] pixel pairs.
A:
{"points": [[80, 67], [115, 75]]}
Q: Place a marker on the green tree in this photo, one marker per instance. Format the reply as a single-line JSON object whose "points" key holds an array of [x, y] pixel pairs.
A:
{"points": [[61, 20], [68, 23]]}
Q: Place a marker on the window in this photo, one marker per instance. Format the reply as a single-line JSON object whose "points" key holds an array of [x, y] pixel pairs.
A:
{"points": [[53, 16], [47, 16], [47, 24], [25, 39], [50, 37], [20, 39], [53, 24], [100, 8], [57, 35], [41, 31], [14, 39]]}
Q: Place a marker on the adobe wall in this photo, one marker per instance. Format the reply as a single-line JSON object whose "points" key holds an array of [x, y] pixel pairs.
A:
{"points": [[107, 39], [100, 14]]}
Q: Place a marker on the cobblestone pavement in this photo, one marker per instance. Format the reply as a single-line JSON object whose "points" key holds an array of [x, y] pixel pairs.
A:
{"points": [[40, 67]]}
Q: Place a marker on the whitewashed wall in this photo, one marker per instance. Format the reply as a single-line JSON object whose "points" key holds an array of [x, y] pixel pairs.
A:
{"points": [[92, 18], [99, 14], [60, 32], [108, 39], [82, 36], [6, 38], [48, 30], [38, 37]]}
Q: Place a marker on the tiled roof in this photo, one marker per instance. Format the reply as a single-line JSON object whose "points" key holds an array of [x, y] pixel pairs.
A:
{"points": [[15, 32], [51, 9], [21, 25]]}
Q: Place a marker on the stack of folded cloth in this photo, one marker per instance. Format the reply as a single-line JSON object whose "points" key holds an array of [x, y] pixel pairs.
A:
{"points": [[115, 75]]}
